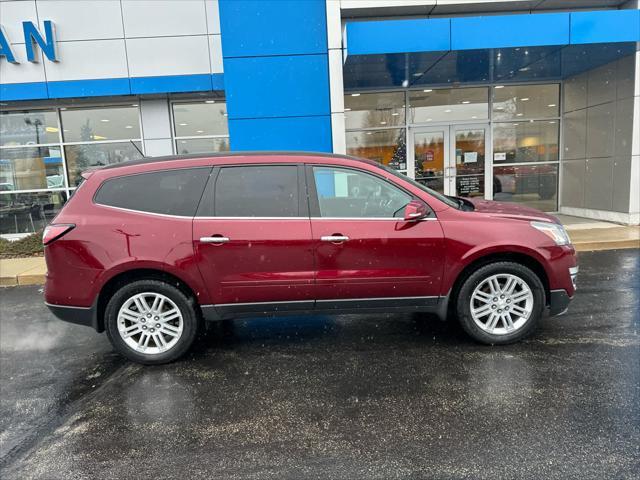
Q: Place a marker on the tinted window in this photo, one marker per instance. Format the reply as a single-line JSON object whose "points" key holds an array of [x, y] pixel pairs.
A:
{"points": [[260, 191], [349, 193], [171, 192]]}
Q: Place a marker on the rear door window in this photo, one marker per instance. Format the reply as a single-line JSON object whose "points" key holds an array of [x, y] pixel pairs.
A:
{"points": [[169, 192], [257, 191]]}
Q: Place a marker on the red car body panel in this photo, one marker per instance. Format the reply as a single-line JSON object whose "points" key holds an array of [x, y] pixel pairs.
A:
{"points": [[383, 258], [283, 260], [266, 260]]}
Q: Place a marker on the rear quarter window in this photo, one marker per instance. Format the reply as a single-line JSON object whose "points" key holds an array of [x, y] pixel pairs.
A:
{"points": [[168, 192]]}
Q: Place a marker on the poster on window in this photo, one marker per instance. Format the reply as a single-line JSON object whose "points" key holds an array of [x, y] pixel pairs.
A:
{"points": [[469, 186]]}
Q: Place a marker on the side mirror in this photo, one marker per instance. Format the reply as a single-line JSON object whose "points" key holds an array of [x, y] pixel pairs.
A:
{"points": [[415, 210]]}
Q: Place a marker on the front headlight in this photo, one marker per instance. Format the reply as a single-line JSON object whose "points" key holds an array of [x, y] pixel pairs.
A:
{"points": [[554, 231]]}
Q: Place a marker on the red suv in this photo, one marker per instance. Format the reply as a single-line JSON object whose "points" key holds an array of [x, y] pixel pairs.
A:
{"points": [[148, 250]]}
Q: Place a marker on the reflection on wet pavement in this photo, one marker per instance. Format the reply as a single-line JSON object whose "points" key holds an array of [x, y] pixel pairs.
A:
{"points": [[339, 397]]}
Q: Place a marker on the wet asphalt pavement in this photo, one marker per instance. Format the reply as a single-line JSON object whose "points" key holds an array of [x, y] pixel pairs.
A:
{"points": [[348, 397]]}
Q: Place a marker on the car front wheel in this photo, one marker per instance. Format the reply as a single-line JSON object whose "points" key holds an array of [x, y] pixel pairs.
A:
{"points": [[151, 322], [500, 303]]}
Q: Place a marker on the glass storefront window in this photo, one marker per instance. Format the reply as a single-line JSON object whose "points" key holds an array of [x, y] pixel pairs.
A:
{"points": [[28, 212], [448, 105], [383, 146], [81, 157], [526, 101], [96, 124], [532, 185], [31, 168], [373, 110], [525, 141], [202, 145], [28, 128], [202, 118]]}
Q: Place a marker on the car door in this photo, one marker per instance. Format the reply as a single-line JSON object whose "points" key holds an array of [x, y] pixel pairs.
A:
{"points": [[364, 250], [252, 239]]}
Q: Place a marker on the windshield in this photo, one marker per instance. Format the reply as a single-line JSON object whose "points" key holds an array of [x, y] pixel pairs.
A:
{"points": [[443, 198]]}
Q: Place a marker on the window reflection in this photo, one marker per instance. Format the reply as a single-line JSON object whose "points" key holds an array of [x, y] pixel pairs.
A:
{"points": [[383, 146], [202, 118], [31, 168], [374, 110], [96, 124], [81, 157], [445, 105], [202, 145], [28, 212], [28, 128], [526, 102], [525, 142], [532, 185]]}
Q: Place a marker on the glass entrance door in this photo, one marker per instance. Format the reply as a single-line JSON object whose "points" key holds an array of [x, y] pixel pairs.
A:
{"points": [[451, 158], [466, 174], [430, 152]]}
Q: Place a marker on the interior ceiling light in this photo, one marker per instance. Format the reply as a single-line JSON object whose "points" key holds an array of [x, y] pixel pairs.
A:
{"points": [[105, 120], [427, 90], [395, 114], [183, 124], [209, 101], [466, 101], [525, 99], [355, 94], [551, 105], [499, 86]]}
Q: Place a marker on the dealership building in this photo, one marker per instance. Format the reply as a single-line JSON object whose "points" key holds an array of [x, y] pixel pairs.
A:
{"points": [[528, 101]]}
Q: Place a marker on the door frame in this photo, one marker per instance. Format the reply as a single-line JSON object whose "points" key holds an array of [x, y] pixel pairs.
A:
{"points": [[449, 131]]}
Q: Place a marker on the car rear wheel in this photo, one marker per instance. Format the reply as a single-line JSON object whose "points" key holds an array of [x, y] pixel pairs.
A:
{"points": [[151, 322], [500, 303]]}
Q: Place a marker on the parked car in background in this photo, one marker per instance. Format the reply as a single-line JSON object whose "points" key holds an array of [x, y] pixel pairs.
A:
{"points": [[148, 250]]}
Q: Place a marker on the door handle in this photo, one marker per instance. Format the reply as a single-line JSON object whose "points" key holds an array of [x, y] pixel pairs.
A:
{"points": [[334, 238], [214, 239]]}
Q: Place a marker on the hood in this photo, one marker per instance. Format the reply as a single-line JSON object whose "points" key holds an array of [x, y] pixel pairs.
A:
{"points": [[511, 210]]}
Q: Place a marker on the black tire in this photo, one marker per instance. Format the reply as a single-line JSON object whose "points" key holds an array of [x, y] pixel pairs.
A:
{"points": [[463, 302], [184, 304]]}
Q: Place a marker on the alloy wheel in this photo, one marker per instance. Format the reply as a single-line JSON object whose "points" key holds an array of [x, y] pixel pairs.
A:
{"points": [[501, 304], [150, 323]]}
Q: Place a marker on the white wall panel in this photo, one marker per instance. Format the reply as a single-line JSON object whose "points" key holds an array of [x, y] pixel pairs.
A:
{"points": [[168, 56], [155, 119], [215, 53], [213, 16], [153, 18], [24, 72], [336, 81], [158, 147], [88, 60], [12, 14], [74, 20]]}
